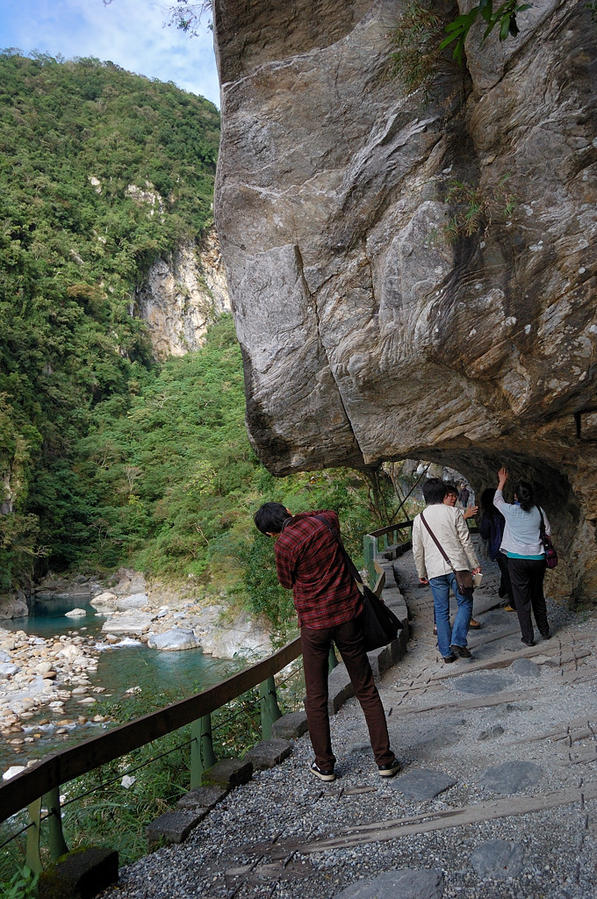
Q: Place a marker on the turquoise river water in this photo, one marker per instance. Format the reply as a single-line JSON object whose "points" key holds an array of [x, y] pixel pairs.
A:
{"points": [[173, 675]]}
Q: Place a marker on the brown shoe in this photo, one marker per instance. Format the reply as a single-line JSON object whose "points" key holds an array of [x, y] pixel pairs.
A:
{"points": [[509, 608], [474, 624]]}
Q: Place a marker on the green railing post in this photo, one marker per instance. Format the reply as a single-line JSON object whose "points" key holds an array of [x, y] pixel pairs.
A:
{"points": [[269, 706], [32, 856], [202, 750], [332, 660], [56, 842], [369, 553]]}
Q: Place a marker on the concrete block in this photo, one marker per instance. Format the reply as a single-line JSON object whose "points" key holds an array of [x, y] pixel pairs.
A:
{"points": [[390, 577], [380, 660], [339, 689], [392, 596], [290, 726], [202, 797], [228, 773], [174, 826], [268, 753], [80, 874]]}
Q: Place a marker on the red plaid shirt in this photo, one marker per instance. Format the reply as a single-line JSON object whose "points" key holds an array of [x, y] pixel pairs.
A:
{"points": [[310, 562]]}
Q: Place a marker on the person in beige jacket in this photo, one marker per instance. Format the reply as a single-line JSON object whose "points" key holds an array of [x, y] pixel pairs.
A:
{"points": [[452, 533]]}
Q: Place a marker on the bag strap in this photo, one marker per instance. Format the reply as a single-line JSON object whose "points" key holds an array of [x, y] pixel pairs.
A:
{"points": [[542, 532], [437, 543], [351, 566]]}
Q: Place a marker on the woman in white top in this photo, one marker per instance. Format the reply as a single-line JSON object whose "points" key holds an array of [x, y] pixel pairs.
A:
{"points": [[523, 547]]}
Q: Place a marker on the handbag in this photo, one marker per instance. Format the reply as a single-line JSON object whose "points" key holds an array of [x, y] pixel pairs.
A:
{"points": [[378, 623], [464, 578], [551, 556]]}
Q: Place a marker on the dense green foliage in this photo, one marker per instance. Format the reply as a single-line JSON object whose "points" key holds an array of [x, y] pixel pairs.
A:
{"points": [[173, 483], [107, 457], [74, 244]]}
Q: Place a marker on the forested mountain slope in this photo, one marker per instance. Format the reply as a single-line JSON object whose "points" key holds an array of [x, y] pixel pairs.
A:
{"points": [[101, 171], [107, 456]]}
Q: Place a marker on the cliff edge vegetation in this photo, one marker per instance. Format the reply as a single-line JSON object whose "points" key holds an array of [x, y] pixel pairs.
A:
{"points": [[101, 171]]}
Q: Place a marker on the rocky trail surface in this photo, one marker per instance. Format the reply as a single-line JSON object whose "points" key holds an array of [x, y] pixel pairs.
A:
{"points": [[497, 796]]}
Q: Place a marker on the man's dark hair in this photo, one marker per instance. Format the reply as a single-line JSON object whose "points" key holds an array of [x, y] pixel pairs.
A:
{"points": [[450, 487], [270, 518], [434, 491]]}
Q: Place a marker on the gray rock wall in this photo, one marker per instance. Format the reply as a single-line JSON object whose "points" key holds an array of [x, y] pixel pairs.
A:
{"points": [[372, 325], [181, 295]]}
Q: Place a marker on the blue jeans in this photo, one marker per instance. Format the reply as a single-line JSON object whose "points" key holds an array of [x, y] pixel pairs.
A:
{"points": [[450, 636]]}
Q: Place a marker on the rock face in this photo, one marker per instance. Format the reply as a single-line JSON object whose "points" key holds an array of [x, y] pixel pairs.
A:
{"points": [[413, 275], [182, 295], [13, 605]]}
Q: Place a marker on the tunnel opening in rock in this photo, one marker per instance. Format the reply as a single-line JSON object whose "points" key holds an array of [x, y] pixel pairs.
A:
{"points": [[553, 492]]}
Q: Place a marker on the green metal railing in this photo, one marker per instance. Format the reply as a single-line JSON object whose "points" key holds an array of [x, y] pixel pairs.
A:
{"points": [[388, 542], [38, 788]]}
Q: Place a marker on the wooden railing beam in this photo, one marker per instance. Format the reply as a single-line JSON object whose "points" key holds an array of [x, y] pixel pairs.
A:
{"points": [[64, 766]]}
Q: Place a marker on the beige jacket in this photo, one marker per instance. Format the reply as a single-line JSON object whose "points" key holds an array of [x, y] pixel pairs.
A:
{"points": [[451, 530]]}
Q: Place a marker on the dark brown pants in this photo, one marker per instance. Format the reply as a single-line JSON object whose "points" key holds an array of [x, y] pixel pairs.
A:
{"points": [[316, 644]]}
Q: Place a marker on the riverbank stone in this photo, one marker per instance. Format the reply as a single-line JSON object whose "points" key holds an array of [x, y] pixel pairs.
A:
{"points": [[228, 773], [511, 777], [135, 623], [290, 726], [173, 640], [80, 874], [268, 753], [422, 783], [402, 883], [497, 859], [174, 826], [135, 601]]}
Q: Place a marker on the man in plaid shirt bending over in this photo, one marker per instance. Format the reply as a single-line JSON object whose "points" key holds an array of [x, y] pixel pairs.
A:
{"points": [[310, 561]]}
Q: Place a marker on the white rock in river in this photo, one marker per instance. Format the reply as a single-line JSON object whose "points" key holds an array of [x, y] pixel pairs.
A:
{"points": [[7, 669], [135, 623], [174, 639], [76, 613], [135, 601], [104, 600], [240, 637]]}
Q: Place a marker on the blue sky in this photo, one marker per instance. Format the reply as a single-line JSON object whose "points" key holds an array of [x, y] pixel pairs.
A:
{"points": [[130, 33]]}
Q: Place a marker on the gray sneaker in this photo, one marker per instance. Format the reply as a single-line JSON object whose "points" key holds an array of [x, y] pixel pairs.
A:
{"points": [[389, 770], [322, 775]]}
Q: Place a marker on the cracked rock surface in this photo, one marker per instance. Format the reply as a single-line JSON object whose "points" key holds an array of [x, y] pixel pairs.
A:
{"points": [[374, 322]]}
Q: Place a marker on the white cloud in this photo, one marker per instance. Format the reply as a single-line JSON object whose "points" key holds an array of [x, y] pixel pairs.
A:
{"points": [[130, 33]]}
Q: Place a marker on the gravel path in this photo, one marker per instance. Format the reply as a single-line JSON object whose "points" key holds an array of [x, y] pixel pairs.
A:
{"points": [[500, 737]]}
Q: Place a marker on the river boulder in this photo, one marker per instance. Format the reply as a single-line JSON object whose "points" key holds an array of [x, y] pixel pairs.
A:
{"points": [[134, 623], [173, 640]]}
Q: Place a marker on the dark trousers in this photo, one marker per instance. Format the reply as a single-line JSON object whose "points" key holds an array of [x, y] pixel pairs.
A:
{"points": [[316, 644], [526, 577], [505, 585]]}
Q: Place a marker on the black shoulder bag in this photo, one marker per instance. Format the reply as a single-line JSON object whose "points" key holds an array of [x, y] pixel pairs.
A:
{"points": [[379, 624], [464, 578], [551, 556]]}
